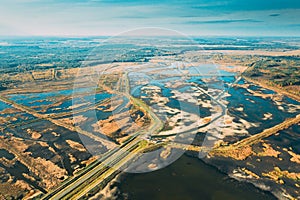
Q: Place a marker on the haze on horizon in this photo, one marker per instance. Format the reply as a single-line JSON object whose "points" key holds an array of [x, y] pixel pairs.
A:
{"points": [[111, 17]]}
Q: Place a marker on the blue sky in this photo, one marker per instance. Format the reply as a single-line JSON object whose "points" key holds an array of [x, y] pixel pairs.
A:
{"points": [[110, 17]]}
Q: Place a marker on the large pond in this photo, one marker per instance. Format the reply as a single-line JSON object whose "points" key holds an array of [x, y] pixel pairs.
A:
{"points": [[187, 178]]}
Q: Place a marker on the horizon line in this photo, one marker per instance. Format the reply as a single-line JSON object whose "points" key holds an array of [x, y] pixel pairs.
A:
{"points": [[116, 35]]}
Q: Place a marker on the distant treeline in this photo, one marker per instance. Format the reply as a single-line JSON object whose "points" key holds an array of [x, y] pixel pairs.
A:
{"points": [[23, 59], [283, 71]]}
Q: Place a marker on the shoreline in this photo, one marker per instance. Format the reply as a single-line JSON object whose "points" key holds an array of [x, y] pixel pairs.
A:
{"points": [[219, 169], [277, 89], [191, 155]]}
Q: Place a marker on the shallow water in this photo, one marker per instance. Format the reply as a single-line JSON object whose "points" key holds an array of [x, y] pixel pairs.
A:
{"points": [[255, 107], [4, 106]]}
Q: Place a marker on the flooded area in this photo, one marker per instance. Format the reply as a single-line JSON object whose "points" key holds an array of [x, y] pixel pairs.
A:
{"points": [[222, 100], [187, 178]]}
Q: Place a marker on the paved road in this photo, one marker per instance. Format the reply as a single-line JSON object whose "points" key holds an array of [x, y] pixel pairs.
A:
{"points": [[74, 189], [114, 160]]}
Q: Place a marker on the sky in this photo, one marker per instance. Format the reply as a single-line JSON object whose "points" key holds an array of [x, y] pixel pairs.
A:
{"points": [[112, 17]]}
